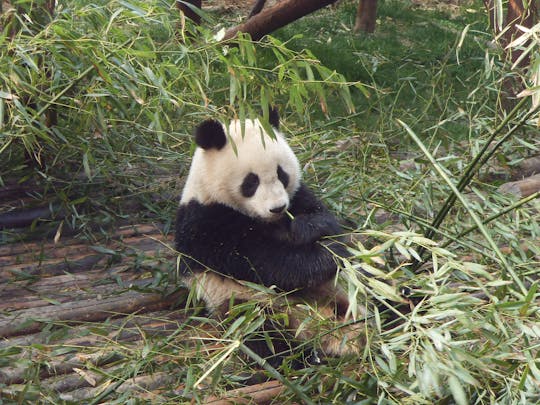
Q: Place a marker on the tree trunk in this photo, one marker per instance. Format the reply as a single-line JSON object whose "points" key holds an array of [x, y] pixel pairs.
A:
{"points": [[276, 17], [518, 14], [366, 16], [188, 9]]}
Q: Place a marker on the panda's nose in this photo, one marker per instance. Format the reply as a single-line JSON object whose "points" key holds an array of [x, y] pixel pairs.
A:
{"points": [[278, 210]]}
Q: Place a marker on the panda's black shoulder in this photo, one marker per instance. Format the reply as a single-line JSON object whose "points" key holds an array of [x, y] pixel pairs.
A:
{"points": [[305, 201], [208, 236]]}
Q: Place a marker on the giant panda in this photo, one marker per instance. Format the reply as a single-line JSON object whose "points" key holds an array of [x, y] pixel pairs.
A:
{"points": [[245, 215]]}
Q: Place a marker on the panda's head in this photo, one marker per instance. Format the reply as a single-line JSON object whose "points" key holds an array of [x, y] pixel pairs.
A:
{"points": [[256, 174]]}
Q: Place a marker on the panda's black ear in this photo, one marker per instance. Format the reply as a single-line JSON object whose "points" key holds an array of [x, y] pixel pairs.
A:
{"points": [[210, 134], [273, 117]]}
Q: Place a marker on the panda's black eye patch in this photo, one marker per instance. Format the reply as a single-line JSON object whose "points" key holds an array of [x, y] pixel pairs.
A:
{"points": [[249, 185], [282, 176]]}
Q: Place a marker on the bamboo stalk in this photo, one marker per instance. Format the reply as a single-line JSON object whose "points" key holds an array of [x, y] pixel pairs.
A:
{"points": [[21, 248], [263, 393], [90, 310], [522, 188]]}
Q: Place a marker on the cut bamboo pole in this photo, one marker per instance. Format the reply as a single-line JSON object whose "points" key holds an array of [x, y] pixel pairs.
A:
{"points": [[263, 393], [522, 188], [91, 310]]}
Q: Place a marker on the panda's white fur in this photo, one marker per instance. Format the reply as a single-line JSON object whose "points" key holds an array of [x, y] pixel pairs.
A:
{"points": [[224, 236]]}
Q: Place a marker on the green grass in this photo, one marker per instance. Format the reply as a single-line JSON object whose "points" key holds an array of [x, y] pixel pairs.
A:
{"points": [[411, 61], [128, 90]]}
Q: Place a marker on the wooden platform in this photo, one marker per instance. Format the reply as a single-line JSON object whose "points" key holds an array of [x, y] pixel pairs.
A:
{"points": [[71, 311]]}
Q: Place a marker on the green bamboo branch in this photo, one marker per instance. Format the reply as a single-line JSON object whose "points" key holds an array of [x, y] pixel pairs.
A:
{"points": [[512, 207], [477, 162], [73, 82], [428, 225], [506, 268]]}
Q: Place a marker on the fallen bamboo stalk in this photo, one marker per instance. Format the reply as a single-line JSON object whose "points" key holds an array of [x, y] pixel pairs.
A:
{"points": [[263, 393], [128, 230], [46, 251], [149, 322], [137, 384], [522, 188], [79, 262], [90, 310]]}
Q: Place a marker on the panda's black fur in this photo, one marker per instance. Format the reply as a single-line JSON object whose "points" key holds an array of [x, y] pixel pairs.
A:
{"points": [[287, 254]]}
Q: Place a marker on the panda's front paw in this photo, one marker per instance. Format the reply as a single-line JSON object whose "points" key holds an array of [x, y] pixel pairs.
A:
{"points": [[304, 230]]}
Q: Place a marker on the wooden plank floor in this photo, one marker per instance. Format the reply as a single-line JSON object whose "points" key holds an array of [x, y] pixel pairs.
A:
{"points": [[66, 308]]}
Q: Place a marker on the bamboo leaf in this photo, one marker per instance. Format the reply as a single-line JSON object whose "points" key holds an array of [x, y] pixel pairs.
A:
{"points": [[457, 391]]}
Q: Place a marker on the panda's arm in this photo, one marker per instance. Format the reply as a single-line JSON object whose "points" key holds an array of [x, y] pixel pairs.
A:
{"points": [[312, 220], [305, 256], [288, 266]]}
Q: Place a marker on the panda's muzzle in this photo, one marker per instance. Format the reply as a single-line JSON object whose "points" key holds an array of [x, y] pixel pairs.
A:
{"points": [[278, 210]]}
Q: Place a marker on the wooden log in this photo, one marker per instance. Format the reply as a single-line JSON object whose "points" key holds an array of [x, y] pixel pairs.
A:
{"points": [[506, 250], [72, 382], [53, 256], [522, 188], [83, 259], [263, 393], [40, 253], [137, 329], [15, 191], [141, 383], [21, 248], [91, 310], [257, 7], [85, 286], [63, 366], [162, 320], [53, 267], [137, 384], [527, 167], [25, 217], [68, 282], [275, 17]]}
